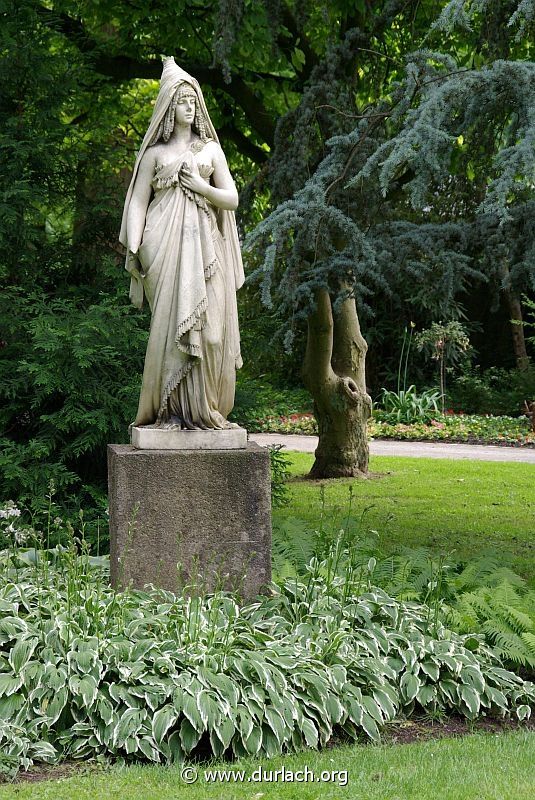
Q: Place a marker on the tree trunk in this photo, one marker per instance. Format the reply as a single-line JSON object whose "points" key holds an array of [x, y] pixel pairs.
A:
{"points": [[514, 308], [333, 372]]}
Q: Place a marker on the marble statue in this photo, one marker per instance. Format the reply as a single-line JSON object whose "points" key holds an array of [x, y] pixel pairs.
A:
{"points": [[183, 254]]}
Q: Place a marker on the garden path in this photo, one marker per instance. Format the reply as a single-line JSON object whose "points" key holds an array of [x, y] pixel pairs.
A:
{"points": [[383, 447]]}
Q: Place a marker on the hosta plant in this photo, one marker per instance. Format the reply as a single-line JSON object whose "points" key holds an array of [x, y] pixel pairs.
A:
{"points": [[162, 677]]}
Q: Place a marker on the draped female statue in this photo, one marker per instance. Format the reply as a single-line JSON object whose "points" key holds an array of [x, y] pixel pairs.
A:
{"points": [[183, 254]]}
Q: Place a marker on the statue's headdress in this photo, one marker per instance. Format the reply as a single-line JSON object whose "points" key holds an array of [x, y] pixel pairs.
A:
{"points": [[172, 78]]}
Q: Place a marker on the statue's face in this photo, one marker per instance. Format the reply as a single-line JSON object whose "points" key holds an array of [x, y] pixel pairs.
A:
{"points": [[185, 108]]}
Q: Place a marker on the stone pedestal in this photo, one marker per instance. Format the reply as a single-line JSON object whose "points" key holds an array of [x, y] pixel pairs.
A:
{"points": [[190, 519], [149, 438]]}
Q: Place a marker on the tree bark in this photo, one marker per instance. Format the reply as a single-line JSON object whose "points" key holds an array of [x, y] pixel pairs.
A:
{"points": [[514, 308], [333, 372]]}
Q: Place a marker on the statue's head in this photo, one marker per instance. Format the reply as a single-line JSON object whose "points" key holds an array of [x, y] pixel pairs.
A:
{"points": [[179, 100], [184, 109]]}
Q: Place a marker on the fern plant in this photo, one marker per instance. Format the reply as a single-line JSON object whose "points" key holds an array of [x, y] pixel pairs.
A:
{"points": [[505, 613], [484, 595]]}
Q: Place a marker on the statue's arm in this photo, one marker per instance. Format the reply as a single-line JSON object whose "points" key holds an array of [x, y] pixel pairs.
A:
{"points": [[139, 202], [223, 194]]}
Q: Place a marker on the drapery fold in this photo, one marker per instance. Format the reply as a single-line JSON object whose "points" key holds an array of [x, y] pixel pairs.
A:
{"points": [[194, 323], [189, 267]]}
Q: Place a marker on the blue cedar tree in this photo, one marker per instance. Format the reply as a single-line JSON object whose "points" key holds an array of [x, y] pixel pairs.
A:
{"points": [[431, 184]]}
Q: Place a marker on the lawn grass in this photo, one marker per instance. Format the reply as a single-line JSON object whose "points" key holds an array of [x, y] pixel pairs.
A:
{"points": [[462, 508], [475, 767]]}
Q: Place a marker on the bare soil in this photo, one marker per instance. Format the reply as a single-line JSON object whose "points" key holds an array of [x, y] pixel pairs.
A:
{"points": [[406, 732]]}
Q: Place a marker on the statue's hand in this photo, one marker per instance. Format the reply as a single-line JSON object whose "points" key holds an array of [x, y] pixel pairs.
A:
{"points": [[192, 181]]}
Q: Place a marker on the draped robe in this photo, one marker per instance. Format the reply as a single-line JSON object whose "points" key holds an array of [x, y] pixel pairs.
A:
{"points": [[190, 282]]}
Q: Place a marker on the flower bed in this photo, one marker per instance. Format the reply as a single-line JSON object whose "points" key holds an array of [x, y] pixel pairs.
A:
{"points": [[474, 429]]}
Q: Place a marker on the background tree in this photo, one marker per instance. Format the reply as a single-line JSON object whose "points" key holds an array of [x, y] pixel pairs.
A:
{"points": [[306, 95], [372, 211]]}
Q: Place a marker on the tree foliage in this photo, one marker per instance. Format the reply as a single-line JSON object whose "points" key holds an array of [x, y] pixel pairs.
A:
{"points": [[392, 140]]}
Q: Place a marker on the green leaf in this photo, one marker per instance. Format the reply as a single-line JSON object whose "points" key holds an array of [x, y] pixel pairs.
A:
{"points": [[270, 745], [430, 669], [253, 742], [9, 684], [175, 747], [105, 710], [53, 676], [10, 705], [497, 697], [21, 654], [334, 708], [128, 725], [372, 708], [276, 723], [43, 751], [426, 695], [409, 685], [57, 704], [355, 712], [450, 689], [163, 719], [387, 706], [245, 721], [222, 683], [370, 728], [148, 748], [218, 748], [470, 698], [191, 712], [189, 736], [472, 676], [298, 58], [208, 709], [225, 731], [523, 712], [85, 687], [310, 732]]}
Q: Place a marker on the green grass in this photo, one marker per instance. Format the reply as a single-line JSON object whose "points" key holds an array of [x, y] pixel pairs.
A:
{"points": [[461, 507], [476, 767]]}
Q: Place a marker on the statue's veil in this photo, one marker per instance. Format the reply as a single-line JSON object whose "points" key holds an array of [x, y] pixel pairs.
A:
{"points": [[172, 77]]}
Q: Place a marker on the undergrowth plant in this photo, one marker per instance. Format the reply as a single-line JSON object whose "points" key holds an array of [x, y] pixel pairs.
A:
{"points": [[157, 676], [409, 406], [483, 595]]}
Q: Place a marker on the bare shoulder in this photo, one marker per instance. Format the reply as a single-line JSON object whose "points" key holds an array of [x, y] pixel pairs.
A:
{"points": [[214, 151], [151, 155]]}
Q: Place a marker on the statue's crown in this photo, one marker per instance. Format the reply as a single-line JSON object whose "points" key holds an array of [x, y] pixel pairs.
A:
{"points": [[172, 75]]}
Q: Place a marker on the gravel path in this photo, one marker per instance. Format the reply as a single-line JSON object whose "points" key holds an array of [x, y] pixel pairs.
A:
{"points": [[383, 447]]}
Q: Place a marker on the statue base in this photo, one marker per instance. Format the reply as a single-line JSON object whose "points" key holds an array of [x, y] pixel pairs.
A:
{"points": [[190, 520], [151, 438]]}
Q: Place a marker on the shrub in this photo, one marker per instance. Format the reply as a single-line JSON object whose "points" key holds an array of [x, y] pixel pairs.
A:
{"points": [[162, 677], [279, 463], [484, 595], [69, 384], [257, 400], [493, 391]]}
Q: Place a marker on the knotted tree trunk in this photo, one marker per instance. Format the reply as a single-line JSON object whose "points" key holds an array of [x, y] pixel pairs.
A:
{"points": [[333, 372]]}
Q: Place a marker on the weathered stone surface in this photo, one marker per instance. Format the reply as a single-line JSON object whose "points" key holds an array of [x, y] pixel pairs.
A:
{"points": [[147, 438], [176, 515]]}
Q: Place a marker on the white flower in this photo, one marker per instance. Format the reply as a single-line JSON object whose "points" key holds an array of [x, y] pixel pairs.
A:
{"points": [[9, 510], [20, 537]]}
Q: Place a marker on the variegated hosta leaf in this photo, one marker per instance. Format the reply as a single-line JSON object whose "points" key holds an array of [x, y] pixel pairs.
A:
{"points": [[150, 674]]}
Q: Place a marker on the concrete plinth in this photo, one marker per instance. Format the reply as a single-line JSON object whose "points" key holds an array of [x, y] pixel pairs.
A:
{"points": [[176, 515], [148, 438]]}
